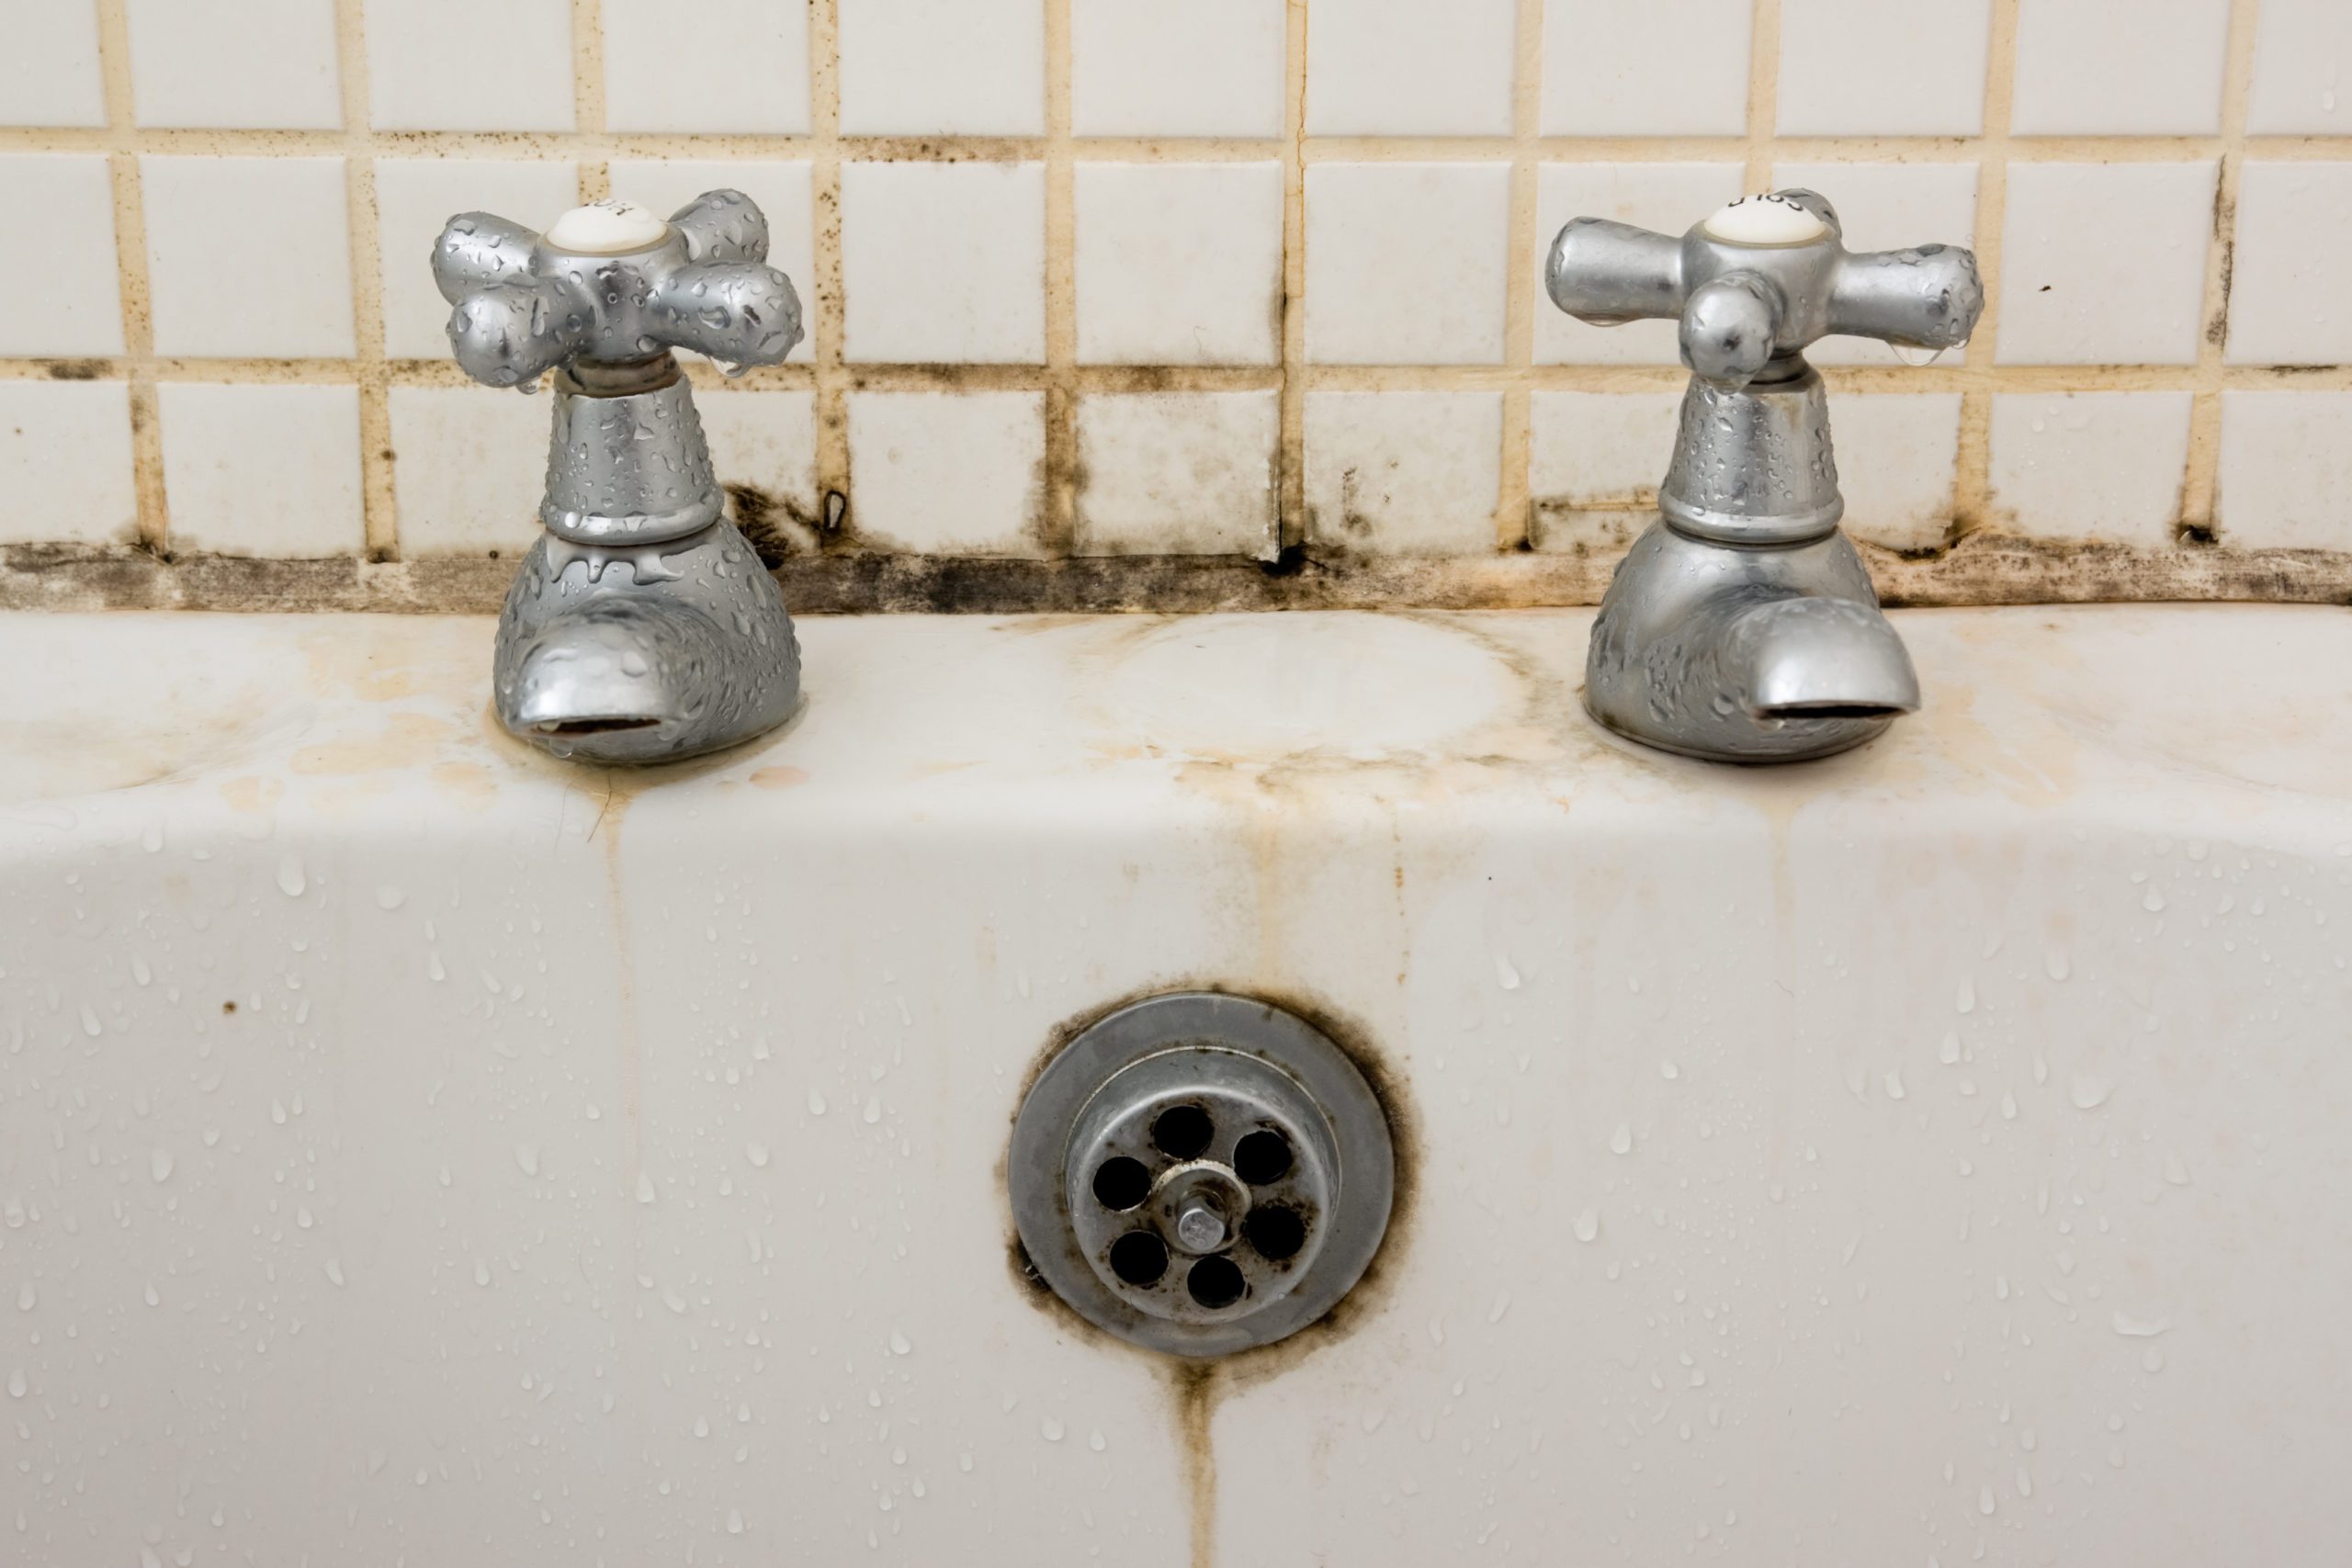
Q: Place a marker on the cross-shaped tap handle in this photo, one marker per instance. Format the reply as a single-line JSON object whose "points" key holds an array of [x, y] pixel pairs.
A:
{"points": [[1760, 279], [612, 283]]}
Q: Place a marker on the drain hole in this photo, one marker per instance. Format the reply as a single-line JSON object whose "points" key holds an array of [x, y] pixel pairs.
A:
{"points": [[1263, 1156], [1831, 710], [1216, 1282], [1140, 1259], [1122, 1183], [1181, 1131], [594, 725], [1275, 1233]]}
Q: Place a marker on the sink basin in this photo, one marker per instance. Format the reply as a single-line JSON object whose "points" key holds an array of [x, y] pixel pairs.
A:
{"points": [[415, 1149]]}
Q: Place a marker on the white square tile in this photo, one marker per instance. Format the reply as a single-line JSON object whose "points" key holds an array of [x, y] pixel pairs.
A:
{"points": [[1667, 197], [948, 473], [1898, 456], [65, 465], [285, 222], [263, 64], [785, 193], [432, 64], [1403, 473], [1409, 67], [49, 73], [268, 471], [2290, 294], [63, 295], [977, 298], [2302, 69], [1180, 263], [1177, 473], [2091, 465], [2286, 470], [1656, 68], [2120, 67], [661, 73], [1405, 262], [1871, 68], [765, 444], [1176, 67], [1594, 465], [414, 196], [920, 68], [1888, 207], [2104, 263], [469, 465]]}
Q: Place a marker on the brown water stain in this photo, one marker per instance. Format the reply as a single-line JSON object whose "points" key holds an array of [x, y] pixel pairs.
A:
{"points": [[249, 792], [406, 740]]}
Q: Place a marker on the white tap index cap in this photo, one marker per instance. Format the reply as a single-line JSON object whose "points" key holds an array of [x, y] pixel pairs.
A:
{"points": [[1766, 220], [606, 229]]}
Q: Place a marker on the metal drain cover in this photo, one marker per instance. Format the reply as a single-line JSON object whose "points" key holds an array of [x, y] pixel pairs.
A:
{"points": [[1201, 1173]]}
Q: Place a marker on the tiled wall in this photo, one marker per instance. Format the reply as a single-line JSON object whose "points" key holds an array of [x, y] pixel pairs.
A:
{"points": [[1172, 301]]}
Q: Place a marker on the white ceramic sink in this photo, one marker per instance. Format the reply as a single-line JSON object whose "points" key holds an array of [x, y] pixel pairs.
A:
{"points": [[413, 1150]]}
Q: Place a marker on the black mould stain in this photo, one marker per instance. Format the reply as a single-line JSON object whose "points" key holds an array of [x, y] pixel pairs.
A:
{"points": [[769, 522], [75, 369]]}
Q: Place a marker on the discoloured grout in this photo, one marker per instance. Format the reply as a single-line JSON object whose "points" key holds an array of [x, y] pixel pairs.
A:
{"points": [[1886, 377], [1513, 521], [1763, 93], [1972, 471], [1063, 480], [132, 284], [2200, 484], [1290, 454], [572, 145], [378, 499], [828, 304], [588, 97]]}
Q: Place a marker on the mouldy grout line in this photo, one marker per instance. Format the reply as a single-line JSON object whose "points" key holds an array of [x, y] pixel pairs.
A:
{"points": [[1972, 456], [2200, 485], [1983, 568]]}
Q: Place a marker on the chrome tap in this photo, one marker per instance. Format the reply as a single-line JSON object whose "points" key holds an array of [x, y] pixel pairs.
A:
{"points": [[641, 627], [1742, 626]]}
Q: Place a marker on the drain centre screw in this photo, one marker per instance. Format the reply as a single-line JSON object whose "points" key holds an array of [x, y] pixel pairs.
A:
{"points": [[1201, 1207], [1200, 1224]]}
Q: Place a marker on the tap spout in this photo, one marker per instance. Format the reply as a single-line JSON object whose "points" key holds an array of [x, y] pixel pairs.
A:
{"points": [[1743, 654], [1808, 659]]}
